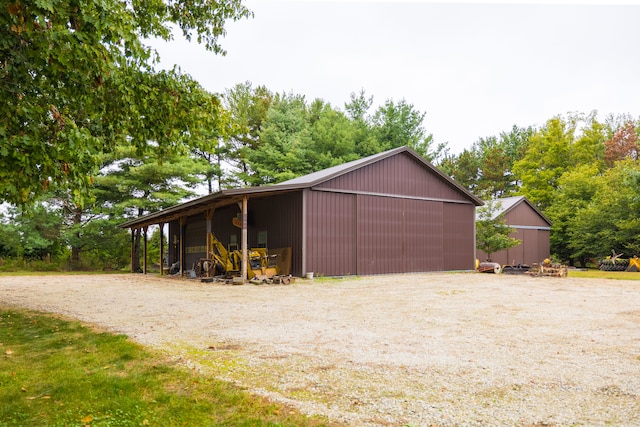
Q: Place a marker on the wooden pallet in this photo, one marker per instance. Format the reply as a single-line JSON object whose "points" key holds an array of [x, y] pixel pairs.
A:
{"points": [[549, 270]]}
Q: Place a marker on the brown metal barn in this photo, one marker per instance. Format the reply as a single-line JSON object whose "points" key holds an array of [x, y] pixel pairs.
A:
{"points": [[392, 212], [531, 227]]}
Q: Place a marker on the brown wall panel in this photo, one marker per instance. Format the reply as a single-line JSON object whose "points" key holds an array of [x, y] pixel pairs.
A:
{"points": [[398, 175], [331, 229], [544, 244], [530, 247], [380, 235], [459, 231], [195, 241], [222, 226], [516, 255], [173, 247], [392, 235], [423, 236], [533, 249], [522, 214], [281, 217]]}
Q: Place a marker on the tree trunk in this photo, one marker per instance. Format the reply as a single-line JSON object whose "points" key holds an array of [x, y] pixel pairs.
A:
{"points": [[137, 237], [75, 250], [135, 259]]}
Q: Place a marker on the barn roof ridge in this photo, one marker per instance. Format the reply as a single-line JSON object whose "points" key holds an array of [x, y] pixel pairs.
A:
{"points": [[301, 182], [315, 178]]}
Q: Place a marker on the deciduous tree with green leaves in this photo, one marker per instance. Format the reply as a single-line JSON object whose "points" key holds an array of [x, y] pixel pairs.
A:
{"points": [[547, 158], [609, 220], [576, 188], [76, 79], [492, 233], [333, 136], [32, 234]]}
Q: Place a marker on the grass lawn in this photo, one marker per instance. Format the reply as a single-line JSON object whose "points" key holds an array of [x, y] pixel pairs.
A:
{"points": [[57, 372], [597, 274]]}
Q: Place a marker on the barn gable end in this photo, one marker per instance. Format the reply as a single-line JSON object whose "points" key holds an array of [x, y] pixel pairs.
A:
{"points": [[395, 214], [530, 226], [401, 175]]}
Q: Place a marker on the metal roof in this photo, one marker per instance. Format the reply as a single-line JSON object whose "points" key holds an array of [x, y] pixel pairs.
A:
{"points": [[225, 197], [506, 204], [323, 175]]}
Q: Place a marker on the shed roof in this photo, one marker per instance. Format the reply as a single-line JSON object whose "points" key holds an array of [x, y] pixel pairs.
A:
{"points": [[507, 204], [229, 196]]}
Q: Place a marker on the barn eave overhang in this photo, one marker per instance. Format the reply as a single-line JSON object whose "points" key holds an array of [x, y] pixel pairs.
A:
{"points": [[202, 204]]}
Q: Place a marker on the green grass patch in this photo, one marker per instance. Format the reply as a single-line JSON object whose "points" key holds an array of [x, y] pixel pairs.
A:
{"points": [[56, 372], [60, 273], [598, 274]]}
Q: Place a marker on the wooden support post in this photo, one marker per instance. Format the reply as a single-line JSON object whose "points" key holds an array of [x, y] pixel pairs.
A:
{"points": [[144, 251], [161, 226], [182, 221], [132, 248], [245, 251]]}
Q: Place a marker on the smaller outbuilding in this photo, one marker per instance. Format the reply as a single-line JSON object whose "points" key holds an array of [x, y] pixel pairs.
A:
{"points": [[530, 226]]}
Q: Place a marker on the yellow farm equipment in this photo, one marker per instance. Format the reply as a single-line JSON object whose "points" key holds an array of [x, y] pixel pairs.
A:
{"points": [[227, 263], [634, 264]]}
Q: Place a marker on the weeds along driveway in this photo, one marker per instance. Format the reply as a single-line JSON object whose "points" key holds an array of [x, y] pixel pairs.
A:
{"points": [[419, 349]]}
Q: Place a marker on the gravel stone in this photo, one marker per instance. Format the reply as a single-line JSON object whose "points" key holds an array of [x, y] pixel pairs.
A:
{"points": [[437, 349]]}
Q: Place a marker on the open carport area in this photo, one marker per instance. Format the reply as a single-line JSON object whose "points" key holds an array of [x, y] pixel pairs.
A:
{"points": [[464, 349]]}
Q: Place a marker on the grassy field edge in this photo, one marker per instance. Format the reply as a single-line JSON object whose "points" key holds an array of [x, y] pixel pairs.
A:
{"points": [[60, 372]]}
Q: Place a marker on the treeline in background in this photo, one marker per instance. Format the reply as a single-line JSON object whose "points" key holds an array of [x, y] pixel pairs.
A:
{"points": [[581, 172]]}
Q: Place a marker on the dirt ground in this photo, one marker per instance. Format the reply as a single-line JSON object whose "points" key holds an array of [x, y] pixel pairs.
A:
{"points": [[463, 349]]}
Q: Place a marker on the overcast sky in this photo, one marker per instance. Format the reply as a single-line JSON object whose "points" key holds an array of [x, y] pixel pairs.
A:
{"points": [[474, 68]]}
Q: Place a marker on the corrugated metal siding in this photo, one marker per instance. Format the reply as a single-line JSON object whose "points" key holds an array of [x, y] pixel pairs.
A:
{"points": [[355, 233], [380, 235], [534, 248], [173, 247], [423, 236], [544, 244], [331, 231], [386, 235], [530, 246], [398, 175], [281, 217], [195, 240], [459, 230], [515, 255]]}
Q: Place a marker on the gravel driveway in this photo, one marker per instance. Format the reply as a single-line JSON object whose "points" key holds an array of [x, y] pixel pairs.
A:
{"points": [[463, 349]]}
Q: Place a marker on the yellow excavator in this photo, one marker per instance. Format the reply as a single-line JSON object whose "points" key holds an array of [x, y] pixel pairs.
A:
{"points": [[227, 262]]}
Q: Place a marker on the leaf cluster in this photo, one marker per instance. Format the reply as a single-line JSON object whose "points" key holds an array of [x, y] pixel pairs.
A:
{"points": [[76, 80]]}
